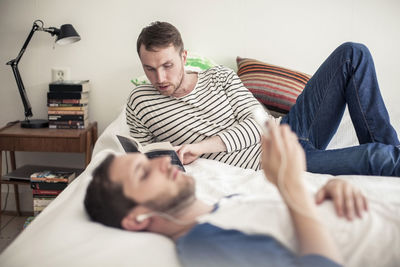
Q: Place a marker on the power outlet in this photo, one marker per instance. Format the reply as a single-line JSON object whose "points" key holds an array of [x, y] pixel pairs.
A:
{"points": [[60, 74]]}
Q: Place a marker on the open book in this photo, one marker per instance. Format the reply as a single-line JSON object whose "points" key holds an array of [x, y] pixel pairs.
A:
{"points": [[153, 150]]}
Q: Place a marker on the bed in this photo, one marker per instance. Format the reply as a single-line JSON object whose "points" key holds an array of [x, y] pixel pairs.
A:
{"points": [[62, 235]]}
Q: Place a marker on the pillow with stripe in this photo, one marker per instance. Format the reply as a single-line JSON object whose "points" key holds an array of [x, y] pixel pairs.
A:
{"points": [[275, 87]]}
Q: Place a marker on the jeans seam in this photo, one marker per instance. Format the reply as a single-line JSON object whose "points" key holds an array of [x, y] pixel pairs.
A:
{"points": [[361, 109], [312, 123]]}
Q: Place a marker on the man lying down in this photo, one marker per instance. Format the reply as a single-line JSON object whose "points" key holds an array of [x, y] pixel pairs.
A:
{"points": [[135, 193]]}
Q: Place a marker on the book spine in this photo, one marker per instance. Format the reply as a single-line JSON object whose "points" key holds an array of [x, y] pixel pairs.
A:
{"points": [[42, 202], [68, 101], [48, 186], [38, 209], [66, 127], [49, 180], [65, 87], [77, 123], [39, 192], [83, 108], [68, 112], [67, 117], [36, 196], [62, 86], [66, 95], [63, 105]]}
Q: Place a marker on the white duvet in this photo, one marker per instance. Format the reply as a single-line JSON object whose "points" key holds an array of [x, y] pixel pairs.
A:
{"points": [[62, 234]]}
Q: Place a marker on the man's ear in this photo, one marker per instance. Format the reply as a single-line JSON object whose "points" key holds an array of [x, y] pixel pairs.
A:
{"points": [[184, 56], [130, 223]]}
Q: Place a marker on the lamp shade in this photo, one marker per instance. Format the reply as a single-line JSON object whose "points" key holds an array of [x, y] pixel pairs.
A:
{"points": [[67, 35]]}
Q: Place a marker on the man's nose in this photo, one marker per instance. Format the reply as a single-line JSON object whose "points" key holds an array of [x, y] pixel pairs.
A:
{"points": [[160, 76]]}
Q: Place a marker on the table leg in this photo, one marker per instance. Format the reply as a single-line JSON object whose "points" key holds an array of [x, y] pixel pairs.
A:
{"points": [[94, 133], [91, 138], [16, 191], [1, 175], [88, 154], [12, 157]]}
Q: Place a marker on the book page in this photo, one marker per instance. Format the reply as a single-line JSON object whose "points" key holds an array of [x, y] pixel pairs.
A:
{"points": [[157, 146]]}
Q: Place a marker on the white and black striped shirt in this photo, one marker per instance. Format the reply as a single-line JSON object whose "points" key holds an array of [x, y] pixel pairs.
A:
{"points": [[218, 105]]}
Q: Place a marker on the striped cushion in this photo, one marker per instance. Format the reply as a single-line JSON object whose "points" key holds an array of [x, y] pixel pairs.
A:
{"points": [[275, 87]]}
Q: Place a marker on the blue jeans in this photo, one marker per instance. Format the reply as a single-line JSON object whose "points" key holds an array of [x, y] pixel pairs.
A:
{"points": [[346, 77]]}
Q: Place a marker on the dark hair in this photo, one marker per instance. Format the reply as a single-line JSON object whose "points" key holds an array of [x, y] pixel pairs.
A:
{"points": [[159, 34], [105, 201]]}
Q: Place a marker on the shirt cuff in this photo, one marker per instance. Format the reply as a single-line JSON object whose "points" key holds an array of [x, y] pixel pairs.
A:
{"points": [[230, 146]]}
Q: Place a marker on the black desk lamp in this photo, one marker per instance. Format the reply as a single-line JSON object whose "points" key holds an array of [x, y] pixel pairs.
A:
{"points": [[65, 35]]}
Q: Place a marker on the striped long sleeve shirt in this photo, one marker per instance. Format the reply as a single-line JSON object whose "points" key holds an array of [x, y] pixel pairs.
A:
{"points": [[218, 105]]}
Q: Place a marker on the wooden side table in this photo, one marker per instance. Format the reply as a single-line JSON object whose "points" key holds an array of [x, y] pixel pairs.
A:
{"points": [[14, 138]]}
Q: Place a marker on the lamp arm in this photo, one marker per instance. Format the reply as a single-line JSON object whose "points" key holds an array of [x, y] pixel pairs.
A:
{"points": [[52, 30], [22, 92], [35, 27], [14, 65]]}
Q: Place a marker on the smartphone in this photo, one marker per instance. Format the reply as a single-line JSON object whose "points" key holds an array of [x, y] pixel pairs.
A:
{"points": [[261, 117]]}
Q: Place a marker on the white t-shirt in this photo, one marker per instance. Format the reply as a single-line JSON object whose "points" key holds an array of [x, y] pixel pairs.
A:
{"points": [[373, 240]]}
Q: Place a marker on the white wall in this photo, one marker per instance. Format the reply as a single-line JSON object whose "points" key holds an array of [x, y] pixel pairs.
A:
{"points": [[296, 34]]}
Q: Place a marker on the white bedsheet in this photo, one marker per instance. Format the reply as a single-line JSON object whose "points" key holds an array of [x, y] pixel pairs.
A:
{"points": [[362, 242], [62, 234]]}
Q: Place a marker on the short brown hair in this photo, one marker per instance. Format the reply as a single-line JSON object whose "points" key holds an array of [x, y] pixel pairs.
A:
{"points": [[105, 201], [159, 34]]}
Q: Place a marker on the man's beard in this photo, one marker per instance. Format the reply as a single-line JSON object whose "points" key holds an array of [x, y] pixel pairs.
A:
{"points": [[178, 85], [186, 194]]}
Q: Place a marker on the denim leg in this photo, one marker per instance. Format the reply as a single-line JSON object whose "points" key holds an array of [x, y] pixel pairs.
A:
{"points": [[347, 76], [365, 159]]}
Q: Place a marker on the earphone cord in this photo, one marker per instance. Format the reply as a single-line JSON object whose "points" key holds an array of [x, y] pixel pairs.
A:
{"points": [[171, 218]]}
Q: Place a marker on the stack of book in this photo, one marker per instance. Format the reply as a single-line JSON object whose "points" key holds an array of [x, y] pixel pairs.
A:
{"points": [[47, 185], [67, 103]]}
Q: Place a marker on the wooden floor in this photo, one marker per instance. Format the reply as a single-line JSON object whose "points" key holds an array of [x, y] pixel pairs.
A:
{"points": [[11, 227]]}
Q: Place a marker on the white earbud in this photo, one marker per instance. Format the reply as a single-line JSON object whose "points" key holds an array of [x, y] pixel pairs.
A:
{"points": [[142, 217]]}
